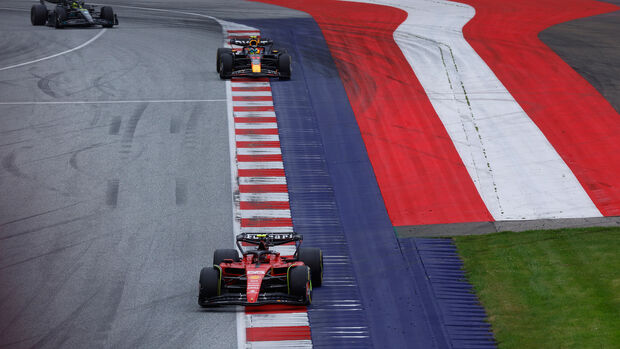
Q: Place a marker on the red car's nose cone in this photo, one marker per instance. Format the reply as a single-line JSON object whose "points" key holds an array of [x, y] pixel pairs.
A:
{"points": [[255, 277]]}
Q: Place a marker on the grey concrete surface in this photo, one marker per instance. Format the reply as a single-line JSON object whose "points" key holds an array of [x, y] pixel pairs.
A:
{"points": [[479, 228], [109, 210]]}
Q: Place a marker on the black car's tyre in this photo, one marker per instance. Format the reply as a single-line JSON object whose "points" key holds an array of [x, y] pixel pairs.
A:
{"points": [[210, 284], [313, 258], [225, 253], [61, 15], [226, 65], [221, 51], [299, 283], [38, 14], [284, 65], [107, 14]]}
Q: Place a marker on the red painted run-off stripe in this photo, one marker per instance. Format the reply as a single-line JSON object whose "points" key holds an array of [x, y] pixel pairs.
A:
{"points": [[266, 222], [265, 205], [244, 31], [255, 119], [580, 124], [253, 158], [270, 172], [263, 188], [256, 334], [252, 108], [264, 144], [250, 88], [420, 174], [256, 131]]}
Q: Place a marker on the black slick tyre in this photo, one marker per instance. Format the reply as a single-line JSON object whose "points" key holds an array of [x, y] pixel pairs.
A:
{"points": [[61, 15], [107, 14], [284, 66], [226, 65], [38, 14], [313, 258], [210, 284], [220, 52], [299, 283], [225, 253]]}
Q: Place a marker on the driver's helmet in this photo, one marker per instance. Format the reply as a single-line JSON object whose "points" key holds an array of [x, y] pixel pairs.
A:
{"points": [[75, 4], [254, 40]]}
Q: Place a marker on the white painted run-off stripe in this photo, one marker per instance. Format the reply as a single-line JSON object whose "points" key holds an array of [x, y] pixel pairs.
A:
{"points": [[260, 165], [265, 213], [267, 230], [249, 84], [263, 197], [261, 180], [257, 138], [255, 114], [259, 151], [252, 93], [253, 103], [298, 344], [274, 320], [256, 125], [517, 172]]}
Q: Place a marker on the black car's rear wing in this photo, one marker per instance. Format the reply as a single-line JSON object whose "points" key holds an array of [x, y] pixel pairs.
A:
{"points": [[269, 239]]}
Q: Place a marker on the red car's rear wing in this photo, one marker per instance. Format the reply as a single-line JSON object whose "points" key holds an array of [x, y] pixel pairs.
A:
{"points": [[270, 239]]}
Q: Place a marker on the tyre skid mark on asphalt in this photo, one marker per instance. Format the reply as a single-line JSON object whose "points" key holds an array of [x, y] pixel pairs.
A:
{"points": [[261, 201]]}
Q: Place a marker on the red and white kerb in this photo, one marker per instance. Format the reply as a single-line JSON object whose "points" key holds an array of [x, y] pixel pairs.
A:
{"points": [[262, 205]]}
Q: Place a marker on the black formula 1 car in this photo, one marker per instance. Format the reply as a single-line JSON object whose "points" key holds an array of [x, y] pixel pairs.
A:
{"points": [[261, 276], [255, 58], [72, 13]]}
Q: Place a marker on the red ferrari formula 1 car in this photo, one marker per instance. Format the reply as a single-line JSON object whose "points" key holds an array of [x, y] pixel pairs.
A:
{"points": [[261, 275]]}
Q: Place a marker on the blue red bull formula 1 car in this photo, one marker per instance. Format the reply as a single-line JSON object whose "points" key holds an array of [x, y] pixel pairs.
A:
{"points": [[253, 57], [261, 276]]}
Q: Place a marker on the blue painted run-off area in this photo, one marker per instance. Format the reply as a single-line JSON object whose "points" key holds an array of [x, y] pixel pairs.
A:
{"points": [[384, 299]]}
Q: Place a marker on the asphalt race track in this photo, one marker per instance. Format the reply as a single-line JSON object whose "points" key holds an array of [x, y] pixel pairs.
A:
{"points": [[114, 182]]}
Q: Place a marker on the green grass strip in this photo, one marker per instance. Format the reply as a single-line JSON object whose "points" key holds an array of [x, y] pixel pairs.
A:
{"points": [[548, 289]]}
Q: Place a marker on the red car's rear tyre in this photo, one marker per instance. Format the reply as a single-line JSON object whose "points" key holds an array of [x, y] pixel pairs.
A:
{"points": [[225, 253], [313, 258]]}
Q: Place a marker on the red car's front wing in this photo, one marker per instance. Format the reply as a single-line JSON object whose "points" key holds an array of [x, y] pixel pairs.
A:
{"points": [[263, 299]]}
